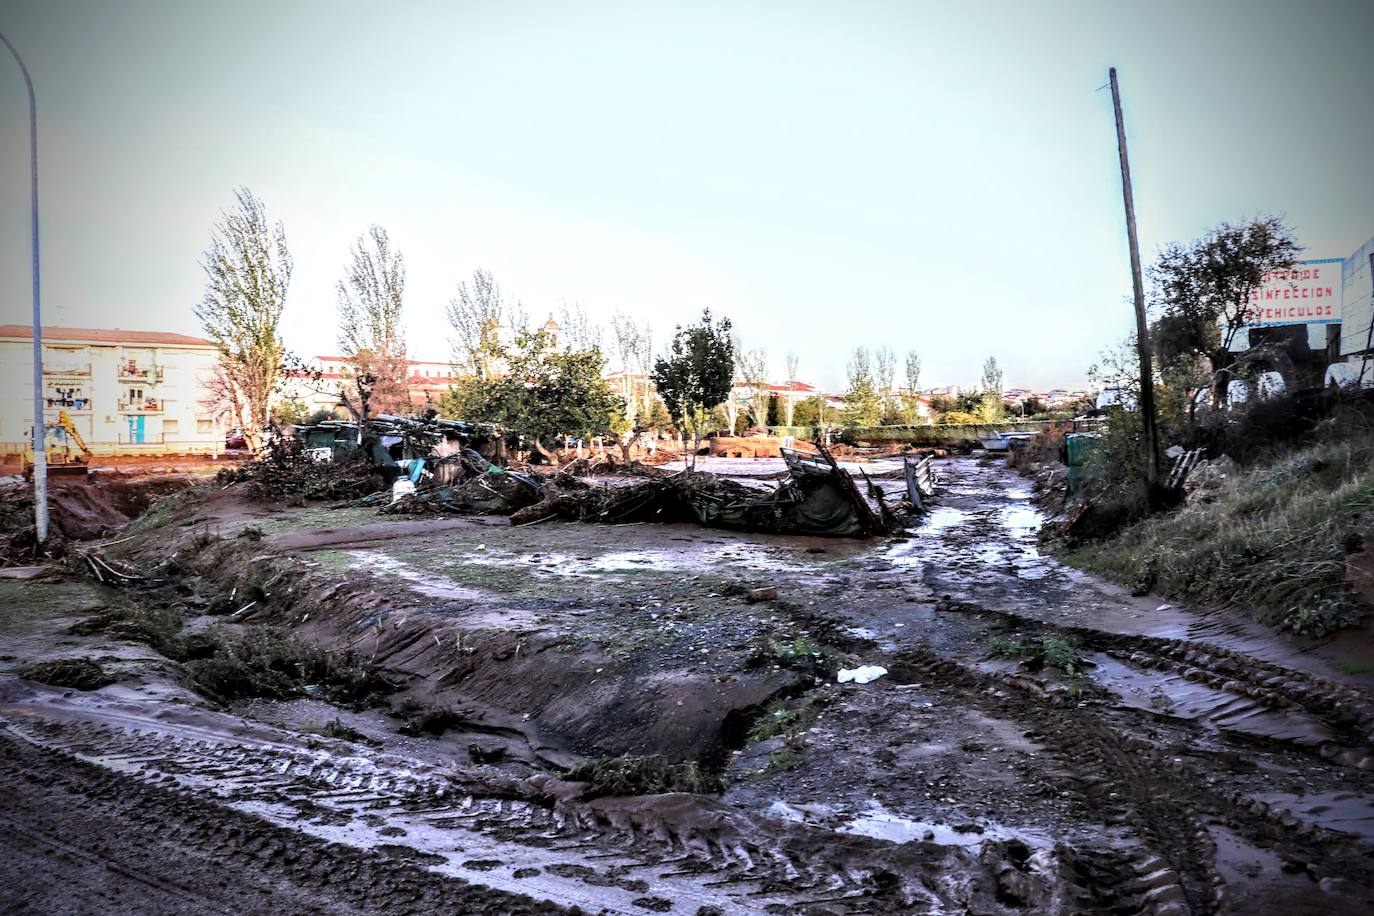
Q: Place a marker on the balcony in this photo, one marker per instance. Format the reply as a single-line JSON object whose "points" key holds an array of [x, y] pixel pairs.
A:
{"points": [[140, 405], [133, 372], [74, 404], [66, 370]]}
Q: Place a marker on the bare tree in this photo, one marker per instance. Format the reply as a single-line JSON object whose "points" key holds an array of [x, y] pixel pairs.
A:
{"points": [[476, 313], [370, 332], [634, 347], [885, 375], [576, 329], [248, 271], [752, 367], [221, 400], [913, 372], [793, 366]]}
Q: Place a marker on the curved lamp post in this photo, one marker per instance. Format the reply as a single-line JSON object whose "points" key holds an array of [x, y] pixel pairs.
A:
{"points": [[40, 455]]}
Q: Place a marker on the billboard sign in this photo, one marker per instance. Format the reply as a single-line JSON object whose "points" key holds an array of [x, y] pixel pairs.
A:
{"points": [[1307, 293]]}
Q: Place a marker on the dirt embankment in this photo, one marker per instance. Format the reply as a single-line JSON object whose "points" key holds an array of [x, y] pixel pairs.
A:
{"points": [[80, 508], [574, 674]]}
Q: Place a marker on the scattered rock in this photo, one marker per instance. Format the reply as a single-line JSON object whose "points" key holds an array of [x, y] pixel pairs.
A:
{"points": [[766, 593]]}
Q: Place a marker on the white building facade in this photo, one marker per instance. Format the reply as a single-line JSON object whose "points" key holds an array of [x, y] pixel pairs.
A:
{"points": [[127, 392]]}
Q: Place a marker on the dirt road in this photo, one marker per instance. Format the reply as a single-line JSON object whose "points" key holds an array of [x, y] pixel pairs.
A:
{"points": [[1042, 742]]}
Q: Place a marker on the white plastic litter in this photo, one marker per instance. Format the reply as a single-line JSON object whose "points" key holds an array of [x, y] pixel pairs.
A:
{"points": [[401, 488], [862, 674]]}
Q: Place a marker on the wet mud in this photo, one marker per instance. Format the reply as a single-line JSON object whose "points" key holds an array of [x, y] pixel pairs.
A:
{"points": [[1042, 741]]}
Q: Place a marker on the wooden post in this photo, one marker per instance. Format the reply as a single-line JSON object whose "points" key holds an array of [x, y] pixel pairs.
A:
{"points": [[1147, 387]]}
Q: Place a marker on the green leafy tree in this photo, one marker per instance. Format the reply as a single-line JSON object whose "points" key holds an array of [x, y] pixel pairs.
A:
{"points": [[248, 270], [774, 410], [990, 407], [657, 418], [545, 393], [697, 373], [808, 412], [290, 412], [1202, 291], [862, 403]]}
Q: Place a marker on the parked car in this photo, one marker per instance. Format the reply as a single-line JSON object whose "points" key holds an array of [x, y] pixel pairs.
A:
{"points": [[235, 439]]}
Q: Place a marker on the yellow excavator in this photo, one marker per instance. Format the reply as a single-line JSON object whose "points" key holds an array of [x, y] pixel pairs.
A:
{"points": [[66, 450]]}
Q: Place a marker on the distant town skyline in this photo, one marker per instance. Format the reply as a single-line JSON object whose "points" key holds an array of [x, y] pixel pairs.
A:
{"points": [[907, 175]]}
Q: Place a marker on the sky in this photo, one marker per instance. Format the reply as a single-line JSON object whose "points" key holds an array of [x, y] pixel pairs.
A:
{"points": [[934, 177]]}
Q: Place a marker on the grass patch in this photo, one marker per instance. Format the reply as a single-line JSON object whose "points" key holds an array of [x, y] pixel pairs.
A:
{"points": [[633, 775], [1273, 541], [264, 662], [1355, 667], [75, 673], [783, 718], [1040, 652], [782, 761]]}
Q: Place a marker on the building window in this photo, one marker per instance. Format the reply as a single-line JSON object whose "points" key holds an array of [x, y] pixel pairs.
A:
{"points": [[171, 428], [205, 427]]}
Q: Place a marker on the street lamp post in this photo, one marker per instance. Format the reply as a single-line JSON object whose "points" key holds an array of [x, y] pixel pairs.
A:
{"points": [[40, 455]]}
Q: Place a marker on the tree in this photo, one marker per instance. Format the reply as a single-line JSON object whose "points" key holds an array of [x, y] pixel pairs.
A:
{"points": [[248, 271], [793, 364], [753, 373], [863, 407], [913, 372], [476, 313], [885, 380], [774, 417], [290, 412], [634, 345], [697, 373], [911, 393], [1203, 291], [809, 412], [546, 392], [991, 408], [370, 334], [576, 329]]}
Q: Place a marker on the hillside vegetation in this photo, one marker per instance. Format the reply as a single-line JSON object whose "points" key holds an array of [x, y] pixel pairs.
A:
{"points": [[1273, 540]]}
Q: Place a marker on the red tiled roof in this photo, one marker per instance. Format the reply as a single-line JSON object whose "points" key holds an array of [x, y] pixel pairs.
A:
{"points": [[103, 335]]}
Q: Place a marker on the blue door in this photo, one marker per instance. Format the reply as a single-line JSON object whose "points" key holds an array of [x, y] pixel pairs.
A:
{"points": [[136, 429]]}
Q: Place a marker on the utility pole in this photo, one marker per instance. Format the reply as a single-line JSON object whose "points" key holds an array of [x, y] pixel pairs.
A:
{"points": [[1142, 330], [40, 432]]}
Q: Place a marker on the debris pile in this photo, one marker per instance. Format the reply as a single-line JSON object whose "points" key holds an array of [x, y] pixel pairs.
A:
{"points": [[290, 474], [18, 541]]}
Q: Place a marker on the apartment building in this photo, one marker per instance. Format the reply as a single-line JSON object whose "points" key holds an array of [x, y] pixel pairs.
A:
{"points": [[127, 392]]}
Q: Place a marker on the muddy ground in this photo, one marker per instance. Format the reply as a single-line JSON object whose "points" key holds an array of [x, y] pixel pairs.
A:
{"points": [[1042, 742]]}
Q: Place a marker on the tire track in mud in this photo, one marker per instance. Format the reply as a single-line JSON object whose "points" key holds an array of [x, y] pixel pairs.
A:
{"points": [[1169, 868], [679, 853], [76, 824], [1346, 711], [1132, 783]]}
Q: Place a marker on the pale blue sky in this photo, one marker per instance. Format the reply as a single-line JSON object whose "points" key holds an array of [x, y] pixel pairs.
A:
{"points": [[940, 177]]}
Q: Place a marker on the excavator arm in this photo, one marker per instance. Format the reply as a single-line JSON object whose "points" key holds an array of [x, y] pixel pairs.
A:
{"points": [[64, 420]]}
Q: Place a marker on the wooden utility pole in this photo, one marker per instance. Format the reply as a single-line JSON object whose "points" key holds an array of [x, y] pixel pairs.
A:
{"points": [[1142, 330]]}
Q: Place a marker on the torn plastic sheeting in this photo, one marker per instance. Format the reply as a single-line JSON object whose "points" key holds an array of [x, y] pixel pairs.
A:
{"points": [[862, 674]]}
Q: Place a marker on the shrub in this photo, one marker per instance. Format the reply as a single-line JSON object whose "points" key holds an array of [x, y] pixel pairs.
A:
{"points": [[634, 775]]}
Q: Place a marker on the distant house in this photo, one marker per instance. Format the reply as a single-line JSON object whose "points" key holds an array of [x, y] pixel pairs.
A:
{"points": [[127, 392]]}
